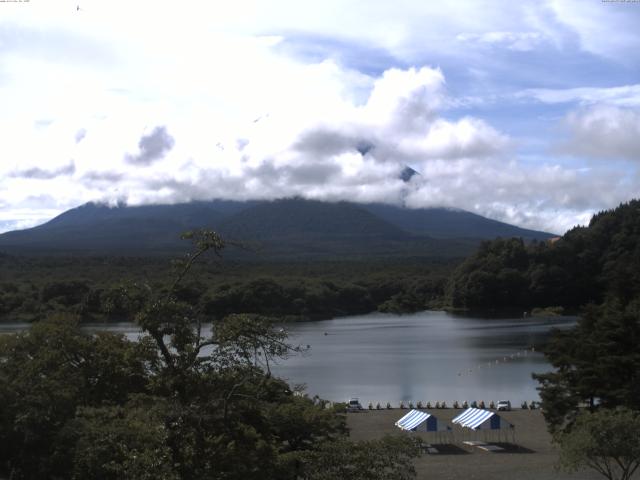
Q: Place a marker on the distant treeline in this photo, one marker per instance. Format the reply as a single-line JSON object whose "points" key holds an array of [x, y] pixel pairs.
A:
{"points": [[109, 289]]}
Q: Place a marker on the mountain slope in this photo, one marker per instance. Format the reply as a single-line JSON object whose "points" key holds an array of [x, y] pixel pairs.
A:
{"points": [[295, 217], [449, 223], [94, 227], [288, 227]]}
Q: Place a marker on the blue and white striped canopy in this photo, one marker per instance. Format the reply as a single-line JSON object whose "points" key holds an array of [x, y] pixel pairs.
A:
{"points": [[417, 420], [478, 419]]}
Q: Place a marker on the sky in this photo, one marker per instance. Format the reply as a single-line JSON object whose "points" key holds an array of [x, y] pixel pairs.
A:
{"points": [[526, 112]]}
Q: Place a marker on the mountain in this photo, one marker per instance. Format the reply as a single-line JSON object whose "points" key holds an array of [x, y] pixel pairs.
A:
{"points": [[450, 223], [291, 227], [295, 217], [97, 228]]}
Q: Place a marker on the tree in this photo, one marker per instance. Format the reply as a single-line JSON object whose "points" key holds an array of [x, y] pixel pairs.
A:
{"points": [[607, 441], [46, 374], [390, 458], [596, 363], [126, 442]]}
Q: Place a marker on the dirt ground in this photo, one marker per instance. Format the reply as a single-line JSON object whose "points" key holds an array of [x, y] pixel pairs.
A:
{"points": [[530, 456]]}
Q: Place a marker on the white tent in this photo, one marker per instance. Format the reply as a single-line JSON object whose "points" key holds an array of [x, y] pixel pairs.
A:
{"points": [[477, 419], [418, 421]]}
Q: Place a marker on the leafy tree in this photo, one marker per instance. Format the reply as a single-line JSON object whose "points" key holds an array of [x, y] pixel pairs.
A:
{"points": [[390, 458], [607, 441], [120, 442], [587, 265], [49, 371], [596, 363]]}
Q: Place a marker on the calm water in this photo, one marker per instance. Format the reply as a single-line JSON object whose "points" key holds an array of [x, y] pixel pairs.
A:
{"points": [[428, 356]]}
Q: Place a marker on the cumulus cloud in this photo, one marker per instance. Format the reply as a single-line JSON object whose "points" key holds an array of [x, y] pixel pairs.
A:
{"points": [[604, 132], [152, 147], [401, 123]]}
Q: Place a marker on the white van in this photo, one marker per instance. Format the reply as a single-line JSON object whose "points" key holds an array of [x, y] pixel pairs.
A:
{"points": [[354, 405]]}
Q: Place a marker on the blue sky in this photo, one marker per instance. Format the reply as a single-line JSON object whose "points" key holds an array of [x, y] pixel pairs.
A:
{"points": [[526, 112]]}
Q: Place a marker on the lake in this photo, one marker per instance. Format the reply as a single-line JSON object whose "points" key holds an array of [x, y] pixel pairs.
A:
{"points": [[426, 356]]}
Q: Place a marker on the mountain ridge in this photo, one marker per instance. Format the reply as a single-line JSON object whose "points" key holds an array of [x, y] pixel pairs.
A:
{"points": [[286, 226]]}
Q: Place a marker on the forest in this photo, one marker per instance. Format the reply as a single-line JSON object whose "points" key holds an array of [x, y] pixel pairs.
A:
{"points": [[110, 288], [587, 265]]}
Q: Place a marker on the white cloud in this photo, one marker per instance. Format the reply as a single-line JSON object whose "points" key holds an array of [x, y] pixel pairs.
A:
{"points": [[607, 29], [604, 132], [243, 119], [622, 96], [519, 41]]}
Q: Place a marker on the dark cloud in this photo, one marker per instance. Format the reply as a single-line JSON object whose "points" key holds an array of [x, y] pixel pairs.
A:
{"points": [[327, 142], [43, 174], [152, 147], [102, 176], [302, 175], [312, 174]]}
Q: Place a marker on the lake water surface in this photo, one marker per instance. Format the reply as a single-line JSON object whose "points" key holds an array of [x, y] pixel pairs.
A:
{"points": [[427, 356]]}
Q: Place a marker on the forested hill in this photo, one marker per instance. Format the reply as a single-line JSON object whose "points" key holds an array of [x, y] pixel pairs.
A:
{"points": [[586, 265], [288, 228]]}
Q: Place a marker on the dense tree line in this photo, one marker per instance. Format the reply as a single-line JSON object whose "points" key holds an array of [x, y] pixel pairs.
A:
{"points": [[106, 290], [587, 265]]}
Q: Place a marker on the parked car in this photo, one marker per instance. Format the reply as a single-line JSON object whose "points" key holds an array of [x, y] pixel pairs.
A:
{"points": [[354, 405], [504, 405]]}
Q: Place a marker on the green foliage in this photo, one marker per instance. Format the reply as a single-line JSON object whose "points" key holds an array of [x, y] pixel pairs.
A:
{"points": [[46, 373], [112, 289], [587, 265], [607, 441], [390, 458], [597, 362], [120, 442]]}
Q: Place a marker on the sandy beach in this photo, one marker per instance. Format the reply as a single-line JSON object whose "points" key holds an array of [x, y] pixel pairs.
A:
{"points": [[531, 456]]}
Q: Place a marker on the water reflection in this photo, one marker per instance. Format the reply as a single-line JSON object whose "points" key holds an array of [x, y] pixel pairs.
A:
{"points": [[429, 356]]}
